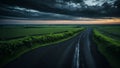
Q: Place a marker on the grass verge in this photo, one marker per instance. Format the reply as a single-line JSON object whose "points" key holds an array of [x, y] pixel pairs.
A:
{"points": [[109, 47]]}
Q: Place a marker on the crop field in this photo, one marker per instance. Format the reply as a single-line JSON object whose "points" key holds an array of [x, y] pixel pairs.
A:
{"points": [[20, 31], [115, 30], [112, 29], [108, 41]]}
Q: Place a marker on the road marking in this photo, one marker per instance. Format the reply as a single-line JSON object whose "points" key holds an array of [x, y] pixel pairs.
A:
{"points": [[89, 59], [76, 57]]}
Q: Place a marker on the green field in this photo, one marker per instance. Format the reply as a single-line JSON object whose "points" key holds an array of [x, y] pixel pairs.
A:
{"points": [[112, 29], [108, 45], [12, 32]]}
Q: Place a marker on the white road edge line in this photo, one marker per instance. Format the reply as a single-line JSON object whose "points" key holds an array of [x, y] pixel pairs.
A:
{"points": [[76, 57], [77, 54]]}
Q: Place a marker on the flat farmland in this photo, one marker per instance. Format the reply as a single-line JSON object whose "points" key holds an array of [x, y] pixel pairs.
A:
{"points": [[13, 31], [111, 31], [114, 30]]}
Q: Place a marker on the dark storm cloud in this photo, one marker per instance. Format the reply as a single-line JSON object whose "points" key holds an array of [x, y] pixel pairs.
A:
{"points": [[86, 8], [17, 12]]}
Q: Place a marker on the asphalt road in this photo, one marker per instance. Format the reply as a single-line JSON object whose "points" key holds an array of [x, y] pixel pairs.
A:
{"points": [[78, 52]]}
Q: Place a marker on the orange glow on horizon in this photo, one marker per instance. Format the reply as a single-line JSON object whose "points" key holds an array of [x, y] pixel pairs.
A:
{"points": [[88, 21]]}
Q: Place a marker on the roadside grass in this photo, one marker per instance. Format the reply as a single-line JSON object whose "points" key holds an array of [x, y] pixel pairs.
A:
{"points": [[109, 47], [12, 49]]}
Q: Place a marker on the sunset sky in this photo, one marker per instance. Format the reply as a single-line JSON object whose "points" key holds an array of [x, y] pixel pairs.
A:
{"points": [[81, 21]]}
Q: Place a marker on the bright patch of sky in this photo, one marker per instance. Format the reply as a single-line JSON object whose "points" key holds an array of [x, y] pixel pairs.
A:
{"points": [[98, 2]]}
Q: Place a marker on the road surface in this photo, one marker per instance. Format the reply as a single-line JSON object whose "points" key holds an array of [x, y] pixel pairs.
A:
{"points": [[77, 52]]}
